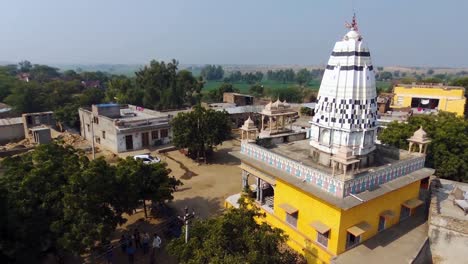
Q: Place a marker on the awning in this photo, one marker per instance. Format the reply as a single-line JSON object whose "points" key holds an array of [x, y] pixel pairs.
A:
{"points": [[413, 203], [388, 214], [288, 208], [359, 229], [320, 227]]}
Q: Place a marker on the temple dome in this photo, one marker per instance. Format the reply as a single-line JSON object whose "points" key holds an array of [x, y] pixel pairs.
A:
{"points": [[249, 125], [419, 135], [353, 34]]}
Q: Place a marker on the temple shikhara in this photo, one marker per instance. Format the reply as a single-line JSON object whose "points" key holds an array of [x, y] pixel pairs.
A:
{"points": [[338, 188]]}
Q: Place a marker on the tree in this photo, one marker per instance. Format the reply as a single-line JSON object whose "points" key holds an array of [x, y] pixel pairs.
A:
{"points": [[256, 90], [234, 237], [217, 94], [148, 182], [91, 96], [25, 66], [430, 72], [200, 130], [448, 151], [163, 87], [303, 77], [290, 94], [212, 72], [55, 200], [43, 73]]}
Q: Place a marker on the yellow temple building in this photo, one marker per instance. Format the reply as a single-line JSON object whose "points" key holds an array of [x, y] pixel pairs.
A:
{"points": [[337, 189]]}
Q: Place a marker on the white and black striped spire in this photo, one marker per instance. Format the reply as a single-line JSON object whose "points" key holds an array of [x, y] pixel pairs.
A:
{"points": [[345, 114]]}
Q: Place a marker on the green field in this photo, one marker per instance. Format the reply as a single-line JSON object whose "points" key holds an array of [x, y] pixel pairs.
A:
{"points": [[244, 87]]}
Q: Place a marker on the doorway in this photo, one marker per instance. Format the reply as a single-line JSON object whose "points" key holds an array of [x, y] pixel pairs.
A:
{"points": [[381, 224], [145, 139], [129, 142]]}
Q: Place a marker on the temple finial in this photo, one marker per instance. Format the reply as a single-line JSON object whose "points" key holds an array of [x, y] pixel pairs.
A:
{"points": [[353, 25]]}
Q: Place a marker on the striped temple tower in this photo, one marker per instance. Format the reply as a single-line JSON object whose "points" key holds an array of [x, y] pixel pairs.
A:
{"points": [[346, 112]]}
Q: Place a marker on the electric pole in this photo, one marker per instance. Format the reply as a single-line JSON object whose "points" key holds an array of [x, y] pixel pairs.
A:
{"points": [[186, 218]]}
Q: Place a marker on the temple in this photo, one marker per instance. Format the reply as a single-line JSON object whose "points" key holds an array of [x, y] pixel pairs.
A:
{"points": [[339, 188]]}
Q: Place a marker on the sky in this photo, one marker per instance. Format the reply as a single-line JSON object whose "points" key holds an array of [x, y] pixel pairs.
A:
{"points": [[425, 33]]}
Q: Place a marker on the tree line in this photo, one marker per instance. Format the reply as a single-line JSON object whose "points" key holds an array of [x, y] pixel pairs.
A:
{"points": [[249, 77], [212, 72], [54, 200]]}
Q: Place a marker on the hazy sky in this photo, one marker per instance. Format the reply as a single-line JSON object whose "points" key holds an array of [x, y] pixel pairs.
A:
{"points": [[398, 32]]}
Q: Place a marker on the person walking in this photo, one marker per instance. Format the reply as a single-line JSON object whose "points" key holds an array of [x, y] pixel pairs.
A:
{"points": [[136, 236], [131, 252], [123, 243], [110, 253], [146, 241], [156, 243]]}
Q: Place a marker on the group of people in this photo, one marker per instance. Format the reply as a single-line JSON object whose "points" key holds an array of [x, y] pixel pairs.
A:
{"points": [[130, 243]]}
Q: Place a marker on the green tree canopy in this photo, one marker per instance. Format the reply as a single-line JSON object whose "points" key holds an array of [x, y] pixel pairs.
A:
{"points": [[55, 199], [164, 87], [448, 151], [200, 130], [234, 237], [212, 72], [217, 94]]}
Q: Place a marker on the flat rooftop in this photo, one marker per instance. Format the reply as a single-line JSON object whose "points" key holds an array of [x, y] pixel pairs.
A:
{"points": [[300, 151], [11, 121], [445, 206], [430, 85]]}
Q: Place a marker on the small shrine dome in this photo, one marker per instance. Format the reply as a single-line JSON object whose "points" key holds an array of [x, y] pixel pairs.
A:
{"points": [[420, 135], [249, 125]]}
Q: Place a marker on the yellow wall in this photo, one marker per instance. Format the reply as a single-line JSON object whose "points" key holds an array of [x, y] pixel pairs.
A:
{"points": [[310, 208], [370, 212], [450, 100]]}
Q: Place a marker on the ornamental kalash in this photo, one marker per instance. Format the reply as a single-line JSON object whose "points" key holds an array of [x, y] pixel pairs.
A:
{"points": [[339, 188]]}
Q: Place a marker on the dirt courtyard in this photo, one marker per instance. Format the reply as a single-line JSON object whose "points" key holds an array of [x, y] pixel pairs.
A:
{"points": [[204, 189]]}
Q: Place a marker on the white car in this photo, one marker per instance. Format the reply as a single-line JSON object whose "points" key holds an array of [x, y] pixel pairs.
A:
{"points": [[147, 158]]}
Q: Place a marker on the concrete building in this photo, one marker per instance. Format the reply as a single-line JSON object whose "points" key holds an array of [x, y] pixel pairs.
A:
{"points": [[448, 223], [123, 128], [39, 119], [429, 98], [328, 208], [238, 99], [11, 129]]}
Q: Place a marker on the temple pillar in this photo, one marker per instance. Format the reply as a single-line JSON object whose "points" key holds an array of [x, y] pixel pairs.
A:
{"points": [[410, 145], [258, 189], [262, 123], [269, 121]]}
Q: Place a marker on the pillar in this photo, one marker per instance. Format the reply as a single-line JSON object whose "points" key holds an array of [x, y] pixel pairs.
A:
{"points": [[344, 169], [262, 123], [333, 168], [245, 180], [420, 147], [261, 191], [258, 189], [410, 145], [269, 121]]}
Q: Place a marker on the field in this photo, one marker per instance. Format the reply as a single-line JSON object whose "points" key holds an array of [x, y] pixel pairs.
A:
{"points": [[244, 87]]}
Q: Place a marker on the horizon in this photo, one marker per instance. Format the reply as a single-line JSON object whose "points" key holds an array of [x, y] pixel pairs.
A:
{"points": [[303, 33]]}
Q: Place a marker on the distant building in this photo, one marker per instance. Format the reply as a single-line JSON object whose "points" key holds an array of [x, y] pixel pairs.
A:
{"points": [[91, 84], [37, 126], [383, 103], [11, 129], [24, 76], [124, 128], [238, 99], [337, 189], [429, 98]]}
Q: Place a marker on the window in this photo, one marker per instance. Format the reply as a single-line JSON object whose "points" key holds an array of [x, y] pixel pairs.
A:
{"points": [[96, 120], [155, 134], [164, 133], [104, 134], [322, 239], [98, 140], [381, 223], [292, 219], [352, 240], [87, 126], [400, 100], [405, 212]]}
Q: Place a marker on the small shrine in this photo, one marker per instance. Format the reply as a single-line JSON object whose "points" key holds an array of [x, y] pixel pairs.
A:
{"points": [[276, 118], [421, 139], [344, 161], [248, 130]]}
